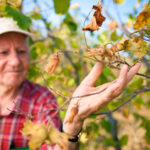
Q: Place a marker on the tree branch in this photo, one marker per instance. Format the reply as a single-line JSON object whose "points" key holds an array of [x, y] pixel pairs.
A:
{"points": [[122, 104]]}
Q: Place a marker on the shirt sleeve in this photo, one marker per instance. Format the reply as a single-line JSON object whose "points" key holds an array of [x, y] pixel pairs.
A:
{"points": [[52, 113]]}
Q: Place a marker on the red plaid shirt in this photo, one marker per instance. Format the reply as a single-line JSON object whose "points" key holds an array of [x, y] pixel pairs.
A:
{"points": [[33, 99]]}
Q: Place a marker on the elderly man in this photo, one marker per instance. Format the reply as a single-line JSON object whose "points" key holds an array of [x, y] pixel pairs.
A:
{"points": [[17, 93]]}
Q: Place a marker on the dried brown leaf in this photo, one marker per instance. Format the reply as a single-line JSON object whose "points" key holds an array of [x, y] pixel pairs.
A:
{"points": [[97, 51], [57, 137], [103, 52], [96, 21], [53, 62], [98, 15]]}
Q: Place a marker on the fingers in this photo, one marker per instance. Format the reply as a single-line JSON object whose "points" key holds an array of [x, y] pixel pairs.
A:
{"points": [[133, 71], [91, 78], [123, 73], [115, 88]]}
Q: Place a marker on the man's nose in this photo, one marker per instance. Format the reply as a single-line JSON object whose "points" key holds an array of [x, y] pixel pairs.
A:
{"points": [[15, 59]]}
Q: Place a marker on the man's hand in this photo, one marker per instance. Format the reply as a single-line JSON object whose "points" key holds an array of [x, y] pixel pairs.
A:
{"points": [[87, 105]]}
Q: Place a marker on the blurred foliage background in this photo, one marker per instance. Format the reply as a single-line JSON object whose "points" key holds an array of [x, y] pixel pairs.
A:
{"points": [[128, 128]]}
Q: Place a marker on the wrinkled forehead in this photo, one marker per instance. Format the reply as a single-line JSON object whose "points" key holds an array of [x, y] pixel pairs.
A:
{"points": [[17, 39]]}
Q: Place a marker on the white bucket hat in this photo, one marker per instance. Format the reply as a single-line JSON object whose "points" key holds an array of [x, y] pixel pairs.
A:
{"points": [[9, 25]]}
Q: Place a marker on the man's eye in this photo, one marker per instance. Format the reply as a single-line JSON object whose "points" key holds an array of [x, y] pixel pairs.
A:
{"points": [[4, 52], [22, 51]]}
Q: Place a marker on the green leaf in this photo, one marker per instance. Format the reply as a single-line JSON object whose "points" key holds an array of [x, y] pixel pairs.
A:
{"points": [[60, 43], [70, 23], [61, 6], [65, 71], [146, 148], [106, 125], [103, 38], [138, 101], [114, 36], [40, 48], [104, 78], [138, 82], [74, 44], [23, 21], [113, 104], [33, 72], [33, 53], [124, 140], [109, 142], [95, 127], [71, 82], [147, 136], [35, 16], [146, 125], [148, 104], [148, 5], [119, 1]]}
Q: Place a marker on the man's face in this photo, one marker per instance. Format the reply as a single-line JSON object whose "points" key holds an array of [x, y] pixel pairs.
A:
{"points": [[14, 59]]}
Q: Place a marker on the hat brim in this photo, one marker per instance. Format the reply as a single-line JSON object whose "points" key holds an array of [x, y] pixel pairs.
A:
{"points": [[18, 31]]}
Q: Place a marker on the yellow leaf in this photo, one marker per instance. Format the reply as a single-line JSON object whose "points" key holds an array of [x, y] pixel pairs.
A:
{"points": [[135, 45], [57, 137], [83, 137], [15, 3], [36, 133], [120, 44], [143, 19], [35, 142], [125, 110], [119, 1], [2, 2]]}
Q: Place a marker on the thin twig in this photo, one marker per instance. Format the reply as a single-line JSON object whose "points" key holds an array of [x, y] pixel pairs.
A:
{"points": [[84, 31], [51, 89], [30, 114], [122, 104], [109, 64]]}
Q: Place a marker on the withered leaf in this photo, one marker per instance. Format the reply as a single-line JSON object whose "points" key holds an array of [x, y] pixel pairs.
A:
{"points": [[136, 45], [96, 21], [15, 3], [92, 26], [98, 15], [57, 137], [143, 19], [53, 62], [103, 52], [36, 134], [39, 133], [97, 51]]}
